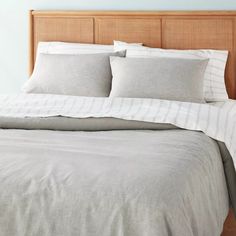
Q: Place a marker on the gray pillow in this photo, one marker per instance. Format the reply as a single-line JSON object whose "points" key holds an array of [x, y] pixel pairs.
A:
{"points": [[162, 78], [78, 75]]}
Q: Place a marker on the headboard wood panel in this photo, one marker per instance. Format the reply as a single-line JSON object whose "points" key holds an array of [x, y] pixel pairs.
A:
{"points": [[146, 30], [177, 30]]}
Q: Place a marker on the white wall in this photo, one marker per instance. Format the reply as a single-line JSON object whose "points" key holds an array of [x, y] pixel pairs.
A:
{"points": [[14, 27]]}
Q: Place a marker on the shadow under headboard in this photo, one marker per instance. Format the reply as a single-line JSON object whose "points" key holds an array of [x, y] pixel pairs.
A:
{"points": [[176, 30]]}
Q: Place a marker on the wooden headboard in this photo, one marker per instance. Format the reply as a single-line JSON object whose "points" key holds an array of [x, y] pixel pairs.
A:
{"points": [[176, 30]]}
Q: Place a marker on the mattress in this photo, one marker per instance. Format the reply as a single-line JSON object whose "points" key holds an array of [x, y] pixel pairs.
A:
{"points": [[163, 182]]}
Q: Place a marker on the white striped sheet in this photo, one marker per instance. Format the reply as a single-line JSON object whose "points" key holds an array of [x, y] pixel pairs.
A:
{"points": [[145, 109], [211, 118], [218, 69], [107, 104], [116, 104], [163, 112], [232, 136], [228, 108], [217, 88], [217, 56], [138, 105], [217, 120], [218, 91], [194, 116], [150, 108], [154, 111], [221, 118], [209, 76], [118, 108], [214, 72], [173, 112], [216, 83], [188, 108], [178, 113], [124, 109], [167, 112]]}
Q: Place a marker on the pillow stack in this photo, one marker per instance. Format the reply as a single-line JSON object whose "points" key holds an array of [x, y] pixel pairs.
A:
{"points": [[77, 75], [128, 70], [74, 69]]}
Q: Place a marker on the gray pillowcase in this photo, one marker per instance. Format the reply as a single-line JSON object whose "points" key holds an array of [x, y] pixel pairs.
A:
{"points": [[161, 78], [78, 75]]}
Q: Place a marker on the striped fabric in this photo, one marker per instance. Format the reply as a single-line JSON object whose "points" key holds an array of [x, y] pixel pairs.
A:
{"points": [[82, 48], [214, 82], [73, 48], [217, 120]]}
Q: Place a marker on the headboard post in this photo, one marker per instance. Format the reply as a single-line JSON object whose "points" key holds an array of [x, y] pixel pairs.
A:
{"points": [[31, 42], [174, 29]]}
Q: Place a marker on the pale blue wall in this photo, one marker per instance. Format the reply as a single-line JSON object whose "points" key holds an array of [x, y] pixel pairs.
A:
{"points": [[14, 33]]}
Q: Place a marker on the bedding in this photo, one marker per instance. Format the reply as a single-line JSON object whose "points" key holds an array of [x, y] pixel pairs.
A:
{"points": [[214, 79], [123, 182], [78, 75], [162, 78], [82, 48], [121, 46], [72, 48], [113, 183], [80, 124], [216, 120]]}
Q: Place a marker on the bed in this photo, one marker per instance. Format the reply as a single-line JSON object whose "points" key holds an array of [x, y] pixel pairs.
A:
{"points": [[124, 166]]}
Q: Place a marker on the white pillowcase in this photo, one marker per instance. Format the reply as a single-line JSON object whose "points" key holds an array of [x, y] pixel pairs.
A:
{"points": [[73, 48], [82, 48], [121, 46], [214, 81]]}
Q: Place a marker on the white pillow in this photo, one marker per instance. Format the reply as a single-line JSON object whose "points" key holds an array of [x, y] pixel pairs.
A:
{"points": [[121, 46], [82, 48], [214, 81], [73, 48]]}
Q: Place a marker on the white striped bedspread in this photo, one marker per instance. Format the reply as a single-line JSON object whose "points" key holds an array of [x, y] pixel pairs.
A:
{"points": [[217, 120]]}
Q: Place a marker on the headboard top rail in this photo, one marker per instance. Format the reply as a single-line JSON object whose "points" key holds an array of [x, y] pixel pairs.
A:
{"points": [[133, 13]]}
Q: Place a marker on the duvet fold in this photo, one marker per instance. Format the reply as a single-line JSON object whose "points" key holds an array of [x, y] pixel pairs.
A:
{"points": [[217, 120]]}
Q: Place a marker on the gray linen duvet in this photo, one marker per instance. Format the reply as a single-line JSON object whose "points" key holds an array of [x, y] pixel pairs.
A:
{"points": [[119, 181], [111, 183]]}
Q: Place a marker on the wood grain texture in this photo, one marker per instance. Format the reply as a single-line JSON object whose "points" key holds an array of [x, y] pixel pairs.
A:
{"points": [[72, 29], [178, 29], [207, 33], [31, 42], [230, 225], [145, 30]]}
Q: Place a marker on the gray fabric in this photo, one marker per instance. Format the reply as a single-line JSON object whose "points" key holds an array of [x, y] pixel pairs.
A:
{"points": [[75, 124], [230, 174], [108, 124], [78, 75], [142, 183], [162, 78]]}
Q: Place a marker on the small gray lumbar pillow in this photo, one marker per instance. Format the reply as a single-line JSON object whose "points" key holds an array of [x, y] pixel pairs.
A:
{"points": [[77, 75], [161, 78]]}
